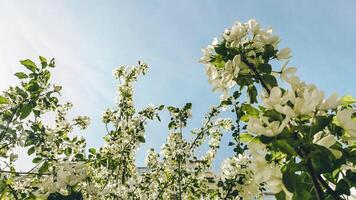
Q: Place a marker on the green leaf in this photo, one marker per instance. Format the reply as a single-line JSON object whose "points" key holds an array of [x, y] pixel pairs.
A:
{"points": [[172, 109], [68, 151], [161, 107], [303, 192], [30, 151], [21, 75], [270, 80], [141, 139], [322, 159], [25, 110], [285, 147], [250, 110], [252, 93], [290, 180], [32, 86], [264, 68], [92, 150], [342, 187], [236, 94], [273, 115], [44, 167], [226, 102], [79, 156], [37, 160], [244, 118], [244, 80], [221, 49], [347, 100], [280, 196], [43, 61], [351, 177], [188, 106], [218, 62], [29, 64], [59, 196], [245, 137], [268, 52], [2, 186], [21, 92], [3, 100], [319, 123], [265, 139], [172, 125]]}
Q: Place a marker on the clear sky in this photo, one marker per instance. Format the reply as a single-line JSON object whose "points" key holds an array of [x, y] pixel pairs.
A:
{"points": [[89, 38]]}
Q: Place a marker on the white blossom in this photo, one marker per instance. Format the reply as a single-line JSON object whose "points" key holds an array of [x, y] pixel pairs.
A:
{"points": [[332, 102], [284, 54], [326, 141], [345, 120]]}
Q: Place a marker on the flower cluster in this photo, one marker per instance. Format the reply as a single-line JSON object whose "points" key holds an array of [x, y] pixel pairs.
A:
{"points": [[68, 175], [291, 127], [242, 44]]}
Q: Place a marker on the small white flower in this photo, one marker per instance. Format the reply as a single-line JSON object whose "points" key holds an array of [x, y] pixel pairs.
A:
{"points": [[215, 41], [327, 141], [253, 26], [348, 166], [274, 98], [308, 102], [287, 72], [264, 127], [207, 52], [286, 110], [332, 102], [284, 54]]}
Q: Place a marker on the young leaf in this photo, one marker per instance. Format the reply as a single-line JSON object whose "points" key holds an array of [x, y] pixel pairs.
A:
{"points": [[37, 160], [43, 61], [161, 107], [92, 150], [236, 94], [141, 139], [68, 151], [347, 100], [3, 100], [44, 167], [25, 110], [250, 110], [188, 106], [29, 64], [21, 75], [30, 151]]}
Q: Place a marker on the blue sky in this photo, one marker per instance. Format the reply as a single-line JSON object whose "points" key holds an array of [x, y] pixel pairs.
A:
{"points": [[89, 38]]}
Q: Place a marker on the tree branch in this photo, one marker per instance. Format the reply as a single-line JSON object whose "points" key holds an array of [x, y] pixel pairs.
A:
{"points": [[257, 75], [23, 173], [318, 189], [327, 187]]}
